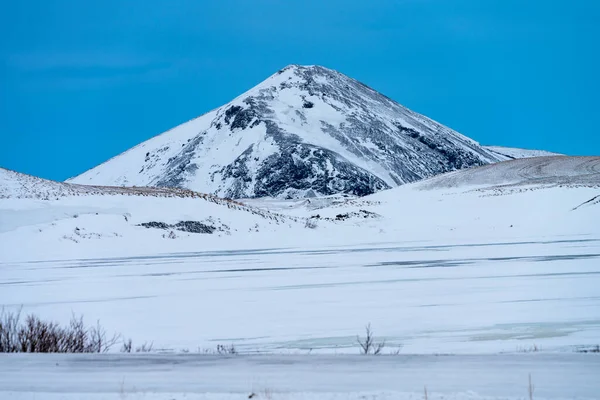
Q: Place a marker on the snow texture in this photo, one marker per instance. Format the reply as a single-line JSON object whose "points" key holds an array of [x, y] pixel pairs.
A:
{"points": [[496, 259], [305, 131], [510, 251], [513, 153], [543, 170], [195, 377]]}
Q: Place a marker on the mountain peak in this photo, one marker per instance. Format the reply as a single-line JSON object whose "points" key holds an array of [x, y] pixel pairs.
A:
{"points": [[305, 130], [295, 73], [299, 67]]}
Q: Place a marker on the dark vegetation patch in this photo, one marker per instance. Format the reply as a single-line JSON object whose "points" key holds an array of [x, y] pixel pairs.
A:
{"points": [[592, 349], [361, 214], [183, 226], [34, 335]]}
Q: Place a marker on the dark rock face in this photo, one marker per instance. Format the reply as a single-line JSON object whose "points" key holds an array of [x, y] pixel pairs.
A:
{"points": [[409, 153], [299, 168], [305, 131]]}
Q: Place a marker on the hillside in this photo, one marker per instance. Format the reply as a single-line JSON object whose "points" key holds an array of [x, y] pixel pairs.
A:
{"points": [[58, 213], [512, 153], [543, 170]]}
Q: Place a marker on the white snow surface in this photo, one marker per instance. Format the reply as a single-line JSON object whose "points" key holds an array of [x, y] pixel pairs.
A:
{"points": [[514, 153], [540, 171], [499, 259], [312, 377]]}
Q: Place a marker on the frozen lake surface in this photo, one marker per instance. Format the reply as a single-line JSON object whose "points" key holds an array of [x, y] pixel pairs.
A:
{"points": [[425, 298]]}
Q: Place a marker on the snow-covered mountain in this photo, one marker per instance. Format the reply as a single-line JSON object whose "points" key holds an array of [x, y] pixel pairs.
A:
{"points": [[306, 130]]}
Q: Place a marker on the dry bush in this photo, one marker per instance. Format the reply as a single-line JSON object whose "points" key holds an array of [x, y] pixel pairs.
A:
{"points": [[221, 349], [33, 335], [311, 224], [127, 346], [368, 345], [530, 388], [145, 347]]}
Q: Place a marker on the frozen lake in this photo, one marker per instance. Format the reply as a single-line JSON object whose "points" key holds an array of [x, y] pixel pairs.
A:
{"points": [[420, 297]]}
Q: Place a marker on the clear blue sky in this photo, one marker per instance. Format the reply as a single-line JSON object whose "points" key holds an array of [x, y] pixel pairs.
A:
{"points": [[82, 81]]}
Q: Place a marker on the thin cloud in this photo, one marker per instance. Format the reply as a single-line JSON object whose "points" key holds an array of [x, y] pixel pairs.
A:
{"points": [[76, 60]]}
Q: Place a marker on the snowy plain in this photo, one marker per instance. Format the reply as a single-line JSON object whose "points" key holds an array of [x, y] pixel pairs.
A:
{"points": [[314, 377], [475, 285]]}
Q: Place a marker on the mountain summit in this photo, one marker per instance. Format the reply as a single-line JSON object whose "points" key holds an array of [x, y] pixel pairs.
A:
{"points": [[304, 131]]}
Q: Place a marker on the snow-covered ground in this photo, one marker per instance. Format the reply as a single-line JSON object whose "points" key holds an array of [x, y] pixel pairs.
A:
{"points": [[189, 376], [502, 259]]}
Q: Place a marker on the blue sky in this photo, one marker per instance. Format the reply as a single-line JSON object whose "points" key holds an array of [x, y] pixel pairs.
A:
{"points": [[83, 81]]}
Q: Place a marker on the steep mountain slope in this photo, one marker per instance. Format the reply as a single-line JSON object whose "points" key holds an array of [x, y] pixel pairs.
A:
{"points": [[304, 131]]}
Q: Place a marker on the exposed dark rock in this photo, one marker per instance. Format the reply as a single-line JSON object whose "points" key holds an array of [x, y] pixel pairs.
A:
{"points": [[184, 226], [194, 227], [155, 225]]}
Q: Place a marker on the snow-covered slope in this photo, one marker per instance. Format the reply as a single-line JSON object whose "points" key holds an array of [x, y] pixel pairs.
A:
{"points": [[514, 153], [543, 170], [532, 197], [129, 217], [303, 131], [22, 186]]}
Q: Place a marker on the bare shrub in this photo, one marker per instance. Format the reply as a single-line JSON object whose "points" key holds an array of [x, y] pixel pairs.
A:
{"points": [[368, 345], [98, 341], [33, 335], [171, 235], [588, 349], [9, 328], [529, 349], [311, 224], [145, 347], [127, 346], [221, 349], [530, 388]]}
